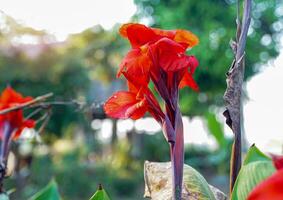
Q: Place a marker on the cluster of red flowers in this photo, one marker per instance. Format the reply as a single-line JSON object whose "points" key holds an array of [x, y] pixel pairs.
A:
{"points": [[156, 55], [272, 187], [14, 119]]}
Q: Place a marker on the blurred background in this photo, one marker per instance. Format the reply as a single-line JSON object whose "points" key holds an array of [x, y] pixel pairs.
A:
{"points": [[72, 48]]}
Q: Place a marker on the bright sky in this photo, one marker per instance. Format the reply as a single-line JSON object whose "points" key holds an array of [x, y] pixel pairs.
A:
{"points": [[62, 17], [263, 112]]}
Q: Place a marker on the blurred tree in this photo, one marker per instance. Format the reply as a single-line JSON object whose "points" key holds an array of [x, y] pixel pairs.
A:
{"points": [[214, 23], [40, 67]]}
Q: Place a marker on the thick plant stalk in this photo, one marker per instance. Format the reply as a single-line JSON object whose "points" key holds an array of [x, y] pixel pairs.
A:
{"points": [[233, 93], [176, 147], [177, 158]]}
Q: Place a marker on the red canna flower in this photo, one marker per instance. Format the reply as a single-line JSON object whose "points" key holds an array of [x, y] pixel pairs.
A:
{"points": [[158, 56], [8, 99], [152, 46], [139, 34], [270, 188]]}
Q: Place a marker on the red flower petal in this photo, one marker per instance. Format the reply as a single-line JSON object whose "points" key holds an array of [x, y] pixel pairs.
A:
{"points": [[164, 33], [183, 37], [125, 105], [8, 99], [271, 188], [277, 161], [186, 38], [135, 66], [193, 64], [169, 55], [188, 80], [26, 124], [137, 34], [132, 87]]}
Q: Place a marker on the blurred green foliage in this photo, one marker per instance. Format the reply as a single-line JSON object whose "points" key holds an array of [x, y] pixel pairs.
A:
{"points": [[70, 69], [78, 169], [214, 23]]}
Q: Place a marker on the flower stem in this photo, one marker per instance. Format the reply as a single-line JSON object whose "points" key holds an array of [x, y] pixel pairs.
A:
{"points": [[7, 133], [177, 158]]}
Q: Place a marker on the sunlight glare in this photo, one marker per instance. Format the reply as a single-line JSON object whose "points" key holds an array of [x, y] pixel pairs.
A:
{"points": [[66, 17]]}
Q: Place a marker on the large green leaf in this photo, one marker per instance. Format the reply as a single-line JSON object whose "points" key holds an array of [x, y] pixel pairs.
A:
{"points": [[254, 154], [257, 167], [216, 129], [196, 184], [50, 192], [100, 194]]}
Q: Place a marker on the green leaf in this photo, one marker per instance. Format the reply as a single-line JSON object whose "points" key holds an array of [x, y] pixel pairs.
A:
{"points": [[100, 194], [50, 192], [216, 129], [196, 184], [254, 154], [257, 167]]}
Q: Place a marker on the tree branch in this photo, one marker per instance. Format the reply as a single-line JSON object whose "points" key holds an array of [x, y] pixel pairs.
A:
{"points": [[27, 104]]}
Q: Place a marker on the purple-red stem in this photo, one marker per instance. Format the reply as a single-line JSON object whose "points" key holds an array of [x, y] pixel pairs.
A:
{"points": [[177, 158], [7, 131]]}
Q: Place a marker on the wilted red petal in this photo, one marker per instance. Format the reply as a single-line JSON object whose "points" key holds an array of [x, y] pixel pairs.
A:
{"points": [[188, 81], [135, 66], [277, 161], [271, 188], [137, 34], [125, 105]]}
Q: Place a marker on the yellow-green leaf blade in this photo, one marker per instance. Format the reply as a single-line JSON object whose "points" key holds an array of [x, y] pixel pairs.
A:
{"points": [[50, 192], [257, 167], [100, 194]]}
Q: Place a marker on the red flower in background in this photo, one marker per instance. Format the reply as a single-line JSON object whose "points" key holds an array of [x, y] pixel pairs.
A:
{"points": [[272, 187], [15, 119]]}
